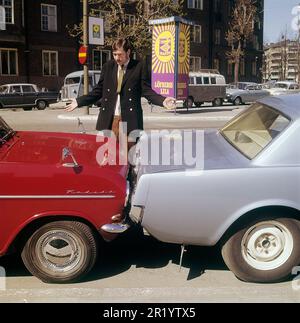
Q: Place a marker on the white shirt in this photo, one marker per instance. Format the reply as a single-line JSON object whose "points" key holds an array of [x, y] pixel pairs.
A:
{"points": [[118, 103]]}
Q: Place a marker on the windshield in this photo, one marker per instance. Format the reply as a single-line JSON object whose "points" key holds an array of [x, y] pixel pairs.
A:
{"points": [[253, 130], [3, 89], [6, 132]]}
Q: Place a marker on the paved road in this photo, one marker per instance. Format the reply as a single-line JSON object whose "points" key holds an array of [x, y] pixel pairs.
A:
{"points": [[135, 268]]}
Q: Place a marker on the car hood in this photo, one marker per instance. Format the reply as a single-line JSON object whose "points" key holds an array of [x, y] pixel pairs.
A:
{"points": [[46, 148], [205, 149]]}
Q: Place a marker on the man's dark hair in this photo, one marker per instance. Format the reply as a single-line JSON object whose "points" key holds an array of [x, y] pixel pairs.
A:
{"points": [[121, 43]]}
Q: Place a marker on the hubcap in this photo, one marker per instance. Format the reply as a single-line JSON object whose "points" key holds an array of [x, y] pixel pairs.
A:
{"points": [[60, 251], [267, 245]]}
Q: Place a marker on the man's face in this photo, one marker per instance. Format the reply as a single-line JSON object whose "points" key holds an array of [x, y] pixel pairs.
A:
{"points": [[120, 56]]}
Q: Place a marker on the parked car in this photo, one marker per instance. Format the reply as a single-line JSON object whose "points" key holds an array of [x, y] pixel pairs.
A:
{"points": [[56, 201], [245, 196], [284, 87], [73, 84], [206, 86], [245, 92], [26, 96]]}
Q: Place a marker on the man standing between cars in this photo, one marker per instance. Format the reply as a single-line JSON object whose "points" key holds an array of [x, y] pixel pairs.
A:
{"points": [[122, 83]]}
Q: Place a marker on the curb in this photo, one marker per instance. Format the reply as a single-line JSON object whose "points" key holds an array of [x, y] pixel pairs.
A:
{"points": [[177, 118]]}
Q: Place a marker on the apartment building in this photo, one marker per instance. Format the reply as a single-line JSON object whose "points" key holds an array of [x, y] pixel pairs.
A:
{"points": [[282, 61], [35, 45]]}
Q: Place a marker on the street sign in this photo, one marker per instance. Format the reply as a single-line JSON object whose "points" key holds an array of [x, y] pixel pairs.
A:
{"points": [[82, 55], [96, 31]]}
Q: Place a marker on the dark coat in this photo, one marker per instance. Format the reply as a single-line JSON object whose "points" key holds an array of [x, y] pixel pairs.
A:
{"points": [[135, 85]]}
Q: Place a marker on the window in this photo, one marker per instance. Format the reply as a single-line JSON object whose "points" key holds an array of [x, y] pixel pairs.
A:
{"points": [[100, 57], [254, 68], [230, 68], [8, 6], [130, 20], [198, 80], [255, 129], [195, 64], [28, 89], [216, 64], [196, 34], [217, 6], [242, 67], [48, 17], [8, 62], [195, 4], [50, 63], [16, 89], [103, 14], [218, 37]]}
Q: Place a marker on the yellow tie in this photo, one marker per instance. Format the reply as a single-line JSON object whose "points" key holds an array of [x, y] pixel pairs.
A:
{"points": [[120, 79]]}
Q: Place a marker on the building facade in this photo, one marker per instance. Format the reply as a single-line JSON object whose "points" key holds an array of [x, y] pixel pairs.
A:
{"points": [[36, 47], [282, 61]]}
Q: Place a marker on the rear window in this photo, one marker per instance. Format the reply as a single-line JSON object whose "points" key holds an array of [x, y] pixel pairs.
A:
{"points": [[213, 80], [255, 129]]}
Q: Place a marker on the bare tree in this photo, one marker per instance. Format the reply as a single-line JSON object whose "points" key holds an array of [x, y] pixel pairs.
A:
{"points": [[240, 31], [138, 29]]}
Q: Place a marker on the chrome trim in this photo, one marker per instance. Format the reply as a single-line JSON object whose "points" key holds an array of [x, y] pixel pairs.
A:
{"points": [[21, 197], [127, 193], [115, 227]]}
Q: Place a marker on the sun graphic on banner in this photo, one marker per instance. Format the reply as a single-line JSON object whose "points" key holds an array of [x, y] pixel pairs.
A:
{"points": [[163, 49], [184, 49]]}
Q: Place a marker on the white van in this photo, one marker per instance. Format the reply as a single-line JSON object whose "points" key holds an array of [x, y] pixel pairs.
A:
{"points": [[206, 86], [73, 84]]}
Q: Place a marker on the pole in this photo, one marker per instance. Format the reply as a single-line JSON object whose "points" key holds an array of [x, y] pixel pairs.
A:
{"points": [[85, 43]]}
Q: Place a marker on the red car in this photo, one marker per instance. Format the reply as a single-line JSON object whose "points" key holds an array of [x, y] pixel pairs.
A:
{"points": [[57, 202]]}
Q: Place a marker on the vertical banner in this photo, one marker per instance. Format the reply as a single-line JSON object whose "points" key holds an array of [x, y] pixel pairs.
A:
{"points": [[96, 31], [171, 57]]}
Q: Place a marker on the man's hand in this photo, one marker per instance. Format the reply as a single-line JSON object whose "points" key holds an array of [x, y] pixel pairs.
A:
{"points": [[170, 103], [71, 106]]}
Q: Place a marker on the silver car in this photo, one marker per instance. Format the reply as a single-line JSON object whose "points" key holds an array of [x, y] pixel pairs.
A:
{"points": [[242, 193], [245, 93]]}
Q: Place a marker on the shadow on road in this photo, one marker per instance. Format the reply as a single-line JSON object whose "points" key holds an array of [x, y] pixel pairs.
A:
{"points": [[133, 248]]}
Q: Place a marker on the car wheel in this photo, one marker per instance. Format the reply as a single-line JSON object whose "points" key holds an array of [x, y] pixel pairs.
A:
{"points": [[238, 101], [41, 105], [60, 252], [217, 102], [265, 251]]}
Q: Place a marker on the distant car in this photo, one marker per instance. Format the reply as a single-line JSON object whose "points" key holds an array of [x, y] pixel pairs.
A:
{"points": [[26, 96], [73, 84], [55, 201], [284, 87], [206, 86], [245, 93], [245, 197]]}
